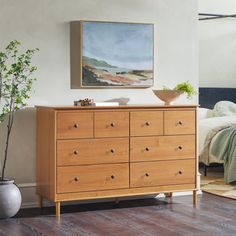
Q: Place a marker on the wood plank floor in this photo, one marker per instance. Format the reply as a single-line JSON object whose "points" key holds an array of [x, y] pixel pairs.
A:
{"points": [[146, 217]]}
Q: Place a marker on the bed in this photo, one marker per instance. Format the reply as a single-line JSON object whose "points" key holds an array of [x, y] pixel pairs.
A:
{"points": [[211, 124]]}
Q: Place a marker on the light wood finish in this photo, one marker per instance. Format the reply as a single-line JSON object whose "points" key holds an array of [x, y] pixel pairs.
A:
{"points": [[58, 209], [75, 55], [105, 150], [40, 199], [46, 153], [179, 122], [128, 107], [162, 173], [195, 198], [111, 124], [144, 123], [154, 190], [74, 125], [170, 194], [99, 160], [93, 177], [162, 148]]}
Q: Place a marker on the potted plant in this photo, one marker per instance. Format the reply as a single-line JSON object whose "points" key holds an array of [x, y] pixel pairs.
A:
{"points": [[169, 95], [15, 86]]}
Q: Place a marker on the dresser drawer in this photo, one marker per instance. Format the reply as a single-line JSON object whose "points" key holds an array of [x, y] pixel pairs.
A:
{"points": [[92, 151], [162, 148], [74, 125], [179, 122], [158, 173], [146, 123], [92, 177], [111, 124]]}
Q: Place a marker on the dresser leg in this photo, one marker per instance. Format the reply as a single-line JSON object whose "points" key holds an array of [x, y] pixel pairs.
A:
{"points": [[195, 198], [58, 209], [40, 199], [170, 194]]}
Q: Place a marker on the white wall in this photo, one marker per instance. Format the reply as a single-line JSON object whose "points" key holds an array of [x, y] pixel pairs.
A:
{"points": [[217, 45], [45, 24]]}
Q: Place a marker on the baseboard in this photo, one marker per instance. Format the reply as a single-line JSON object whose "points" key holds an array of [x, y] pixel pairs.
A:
{"points": [[26, 185]]}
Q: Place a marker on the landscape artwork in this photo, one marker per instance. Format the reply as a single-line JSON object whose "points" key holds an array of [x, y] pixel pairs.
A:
{"points": [[117, 54]]}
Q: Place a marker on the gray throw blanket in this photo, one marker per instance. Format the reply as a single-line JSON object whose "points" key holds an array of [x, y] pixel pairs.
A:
{"points": [[224, 148]]}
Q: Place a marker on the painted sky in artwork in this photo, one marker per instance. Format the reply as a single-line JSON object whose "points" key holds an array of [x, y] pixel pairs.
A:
{"points": [[123, 45]]}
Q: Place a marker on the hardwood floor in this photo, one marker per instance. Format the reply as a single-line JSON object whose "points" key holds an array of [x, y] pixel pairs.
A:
{"points": [[165, 217]]}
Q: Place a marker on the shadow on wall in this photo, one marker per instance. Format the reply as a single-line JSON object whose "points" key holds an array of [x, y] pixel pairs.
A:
{"points": [[22, 147]]}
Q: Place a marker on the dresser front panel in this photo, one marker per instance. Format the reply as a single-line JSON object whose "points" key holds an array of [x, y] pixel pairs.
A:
{"points": [[92, 177], [74, 125], [97, 152], [147, 174], [92, 151], [179, 122], [145, 123], [162, 148], [111, 124]]}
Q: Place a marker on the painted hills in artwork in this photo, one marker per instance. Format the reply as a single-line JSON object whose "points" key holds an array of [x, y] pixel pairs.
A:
{"points": [[100, 73], [96, 63]]}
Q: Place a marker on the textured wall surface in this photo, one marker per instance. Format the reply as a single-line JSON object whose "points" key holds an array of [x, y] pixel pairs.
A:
{"points": [[45, 24], [217, 45]]}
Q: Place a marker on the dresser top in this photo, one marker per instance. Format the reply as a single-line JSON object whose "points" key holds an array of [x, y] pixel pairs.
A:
{"points": [[139, 106]]}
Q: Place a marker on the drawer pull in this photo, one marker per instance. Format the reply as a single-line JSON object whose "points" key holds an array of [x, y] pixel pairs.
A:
{"points": [[112, 150], [180, 172], [147, 123], [180, 147], [147, 149], [112, 124], [112, 177], [76, 125], [76, 179], [147, 174], [180, 122], [76, 152]]}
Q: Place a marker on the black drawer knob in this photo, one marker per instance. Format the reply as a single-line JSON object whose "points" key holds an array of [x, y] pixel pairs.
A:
{"points": [[180, 147], [180, 122], [147, 123], [147, 174], [76, 125], [112, 150], [112, 177], [112, 124], [180, 172], [147, 149], [76, 152], [76, 179]]}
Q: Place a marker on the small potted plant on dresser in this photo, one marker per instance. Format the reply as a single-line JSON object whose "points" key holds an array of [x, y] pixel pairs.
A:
{"points": [[168, 95], [15, 86]]}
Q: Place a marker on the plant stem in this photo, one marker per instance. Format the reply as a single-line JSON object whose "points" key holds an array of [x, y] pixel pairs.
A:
{"points": [[9, 127]]}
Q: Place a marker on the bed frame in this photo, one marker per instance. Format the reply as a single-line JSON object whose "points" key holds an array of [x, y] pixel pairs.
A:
{"points": [[208, 97]]}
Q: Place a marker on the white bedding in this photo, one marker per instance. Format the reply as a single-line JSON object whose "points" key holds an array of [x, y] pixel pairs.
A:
{"points": [[208, 124]]}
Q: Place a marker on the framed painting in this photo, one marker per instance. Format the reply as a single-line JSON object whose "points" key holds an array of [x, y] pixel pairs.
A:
{"points": [[111, 54]]}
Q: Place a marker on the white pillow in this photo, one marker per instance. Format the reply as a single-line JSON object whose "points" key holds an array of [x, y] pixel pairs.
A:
{"points": [[224, 108], [204, 113]]}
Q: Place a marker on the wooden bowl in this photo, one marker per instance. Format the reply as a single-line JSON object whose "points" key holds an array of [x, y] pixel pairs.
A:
{"points": [[167, 96]]}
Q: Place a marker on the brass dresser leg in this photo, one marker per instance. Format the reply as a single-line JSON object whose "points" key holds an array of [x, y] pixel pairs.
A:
{"points": [[58, 209]]}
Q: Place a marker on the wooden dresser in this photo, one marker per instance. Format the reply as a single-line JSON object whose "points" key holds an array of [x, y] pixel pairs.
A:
{"points": [[111, 152]]}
